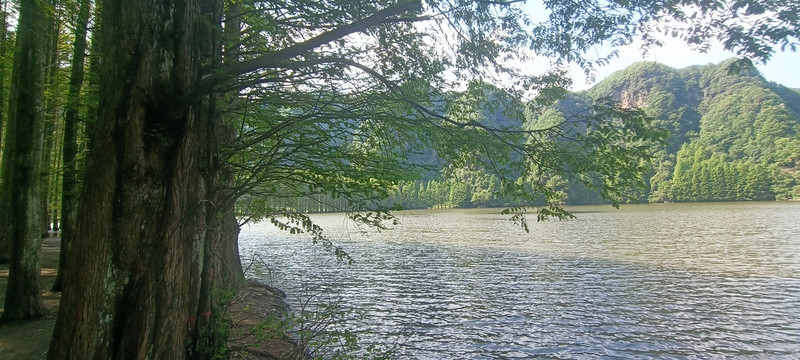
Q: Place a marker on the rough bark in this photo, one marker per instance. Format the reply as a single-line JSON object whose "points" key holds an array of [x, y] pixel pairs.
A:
{"points": [[222, 270], [133, 288], [69, 184], [22, 170]]}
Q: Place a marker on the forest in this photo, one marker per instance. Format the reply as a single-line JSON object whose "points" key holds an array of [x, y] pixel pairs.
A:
{"points": [[152, 129]]}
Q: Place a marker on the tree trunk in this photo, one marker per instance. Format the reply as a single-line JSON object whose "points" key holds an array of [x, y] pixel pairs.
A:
{"points": [[133, 285], [3, 52], [92, 97], [51, 118], [5, 241], [222, 266], [22, 170], [69, 184], [222, 270]]}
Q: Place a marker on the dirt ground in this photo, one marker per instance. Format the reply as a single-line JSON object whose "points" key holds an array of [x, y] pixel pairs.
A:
{"points": [[30, 340]]}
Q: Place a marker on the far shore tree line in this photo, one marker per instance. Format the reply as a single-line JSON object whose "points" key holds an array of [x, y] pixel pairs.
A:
{"points": [[150, 127]]}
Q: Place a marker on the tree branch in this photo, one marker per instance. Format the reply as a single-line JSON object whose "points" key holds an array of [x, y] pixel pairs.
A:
{"points": [[274, 58]]}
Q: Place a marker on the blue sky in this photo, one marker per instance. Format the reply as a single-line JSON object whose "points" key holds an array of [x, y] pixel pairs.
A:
{"points": [[783, 68]]}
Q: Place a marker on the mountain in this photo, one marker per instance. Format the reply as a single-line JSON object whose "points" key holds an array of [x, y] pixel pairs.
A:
{"points": [[733, 135]]}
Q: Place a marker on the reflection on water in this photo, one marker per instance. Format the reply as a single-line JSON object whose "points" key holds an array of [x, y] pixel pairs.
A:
{"points": [[667, 280]]}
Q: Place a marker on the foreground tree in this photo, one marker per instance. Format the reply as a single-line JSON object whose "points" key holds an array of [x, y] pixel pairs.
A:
{"points": [[141, 220], [139, 265], [155, 214], [22, 164]]}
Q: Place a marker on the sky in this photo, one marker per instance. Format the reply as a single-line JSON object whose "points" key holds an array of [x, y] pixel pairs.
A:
{"points": [[783, 68]]}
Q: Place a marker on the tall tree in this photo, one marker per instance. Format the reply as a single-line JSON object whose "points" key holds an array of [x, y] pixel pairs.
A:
{"points": [[3, 66], [135, 269], [53, 113], [69, 187], [139, 273], [5, 242], [141, 219], [23, 163]]}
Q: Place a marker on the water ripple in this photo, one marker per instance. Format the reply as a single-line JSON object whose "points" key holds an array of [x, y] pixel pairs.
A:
{"points": [[670, 281]]}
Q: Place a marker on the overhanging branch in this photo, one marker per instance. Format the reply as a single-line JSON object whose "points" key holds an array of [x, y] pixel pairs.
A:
{"points": [[275, 58]]}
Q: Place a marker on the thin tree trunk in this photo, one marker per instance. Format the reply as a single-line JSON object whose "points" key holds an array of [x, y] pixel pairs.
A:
{"points": [[69, 185], [93, 77], [3, 52], [222, 269], [5, 241], [52, 117], [22, 173]]}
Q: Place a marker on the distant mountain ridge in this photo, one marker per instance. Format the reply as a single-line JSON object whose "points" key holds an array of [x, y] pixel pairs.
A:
{"points": [[734, 136]]}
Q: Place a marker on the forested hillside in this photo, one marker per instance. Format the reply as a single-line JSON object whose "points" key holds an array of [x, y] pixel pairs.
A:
{"points": [[732, 136]]}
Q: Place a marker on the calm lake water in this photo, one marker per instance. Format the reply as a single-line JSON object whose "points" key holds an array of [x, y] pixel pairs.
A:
{"points": [[662, 280]]}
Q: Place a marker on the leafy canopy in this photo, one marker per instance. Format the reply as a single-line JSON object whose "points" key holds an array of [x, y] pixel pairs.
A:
{"points": [[335, 97]]}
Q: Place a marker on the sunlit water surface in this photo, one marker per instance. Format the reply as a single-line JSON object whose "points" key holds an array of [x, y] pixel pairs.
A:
{"points": [[663, 280]]}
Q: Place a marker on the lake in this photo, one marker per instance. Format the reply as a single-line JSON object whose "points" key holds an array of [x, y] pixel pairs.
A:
{"points": [[646, 281]]}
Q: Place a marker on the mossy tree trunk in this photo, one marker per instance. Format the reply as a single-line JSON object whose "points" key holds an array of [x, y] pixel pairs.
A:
{"points": [[145, 247], [22, 173]]}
